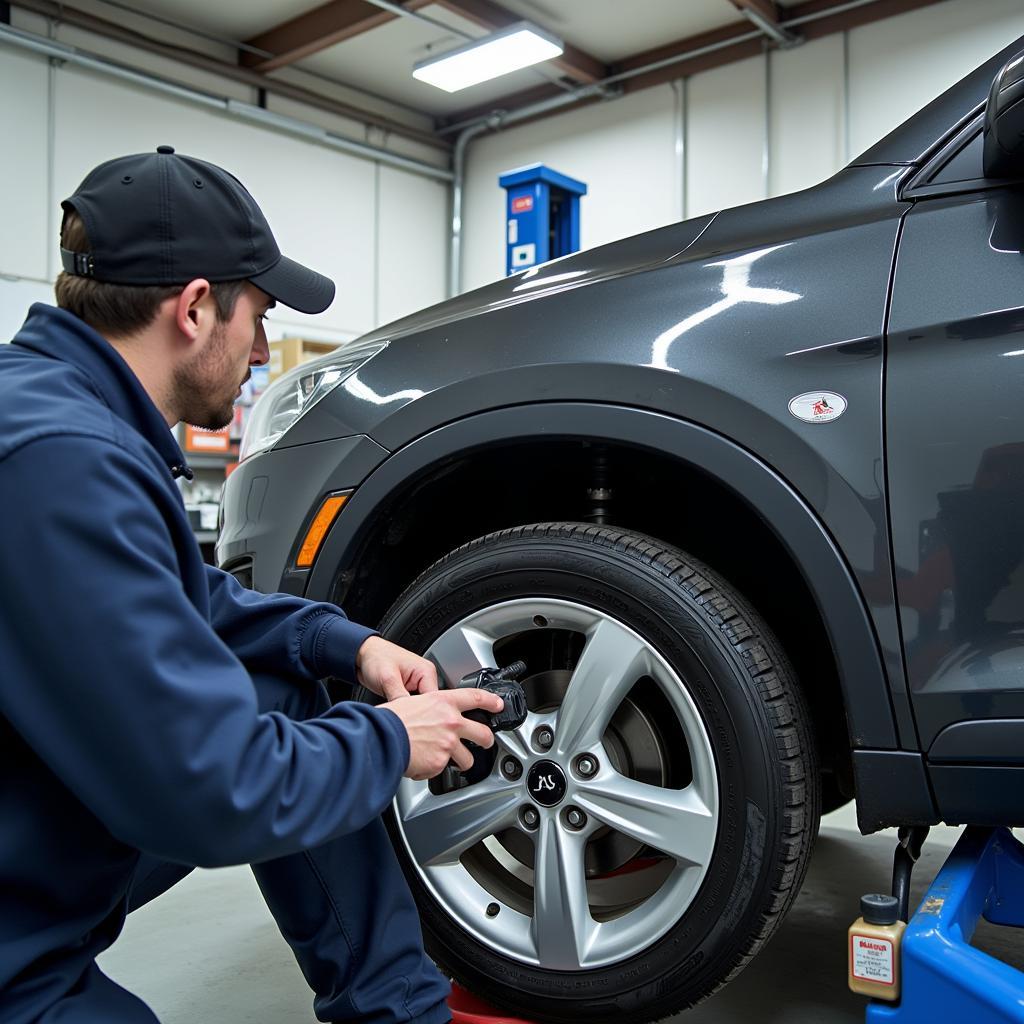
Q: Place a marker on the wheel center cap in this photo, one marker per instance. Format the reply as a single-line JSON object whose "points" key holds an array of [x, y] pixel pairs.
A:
{"points": [[546, 783]]}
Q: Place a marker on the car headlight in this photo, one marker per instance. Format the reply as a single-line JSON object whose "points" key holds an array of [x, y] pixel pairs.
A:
{"points": [[293, 394]]}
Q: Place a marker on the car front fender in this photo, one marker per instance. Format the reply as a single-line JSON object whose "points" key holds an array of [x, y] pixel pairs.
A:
{"points": [[868, 699]]}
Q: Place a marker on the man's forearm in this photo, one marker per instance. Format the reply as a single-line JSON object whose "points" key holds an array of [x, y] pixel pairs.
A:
{"points": [[283, 634]]}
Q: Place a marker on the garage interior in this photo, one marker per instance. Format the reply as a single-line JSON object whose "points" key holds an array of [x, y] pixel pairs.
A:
{"points": [[665, 109]]}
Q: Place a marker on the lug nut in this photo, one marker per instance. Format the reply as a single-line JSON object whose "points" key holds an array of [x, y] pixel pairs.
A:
{"points": [[511, 768], [586, 765], [575, 818], [529, 817], [543, 738]]}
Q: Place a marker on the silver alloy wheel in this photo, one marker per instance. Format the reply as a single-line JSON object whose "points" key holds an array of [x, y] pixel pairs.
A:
{"points": [[561, 932]]}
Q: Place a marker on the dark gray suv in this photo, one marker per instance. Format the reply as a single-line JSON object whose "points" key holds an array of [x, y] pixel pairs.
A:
{"points": [[746, 495]]}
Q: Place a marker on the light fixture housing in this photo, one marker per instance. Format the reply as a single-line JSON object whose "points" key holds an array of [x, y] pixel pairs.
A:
{"points": [[518, 46], [294, 393]]}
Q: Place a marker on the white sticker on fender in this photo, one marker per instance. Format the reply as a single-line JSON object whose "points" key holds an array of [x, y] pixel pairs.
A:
{"points": [[873, 959], [818, 406]]}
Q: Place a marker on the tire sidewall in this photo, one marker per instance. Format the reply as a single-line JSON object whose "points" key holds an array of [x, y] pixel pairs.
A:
{"points": [[709, 938]]}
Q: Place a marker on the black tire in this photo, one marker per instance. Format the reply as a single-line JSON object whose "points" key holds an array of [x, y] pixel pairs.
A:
{"points": [[753, 713]]}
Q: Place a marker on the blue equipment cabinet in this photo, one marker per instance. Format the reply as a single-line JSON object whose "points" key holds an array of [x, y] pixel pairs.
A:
{"points": [[543, 216]]}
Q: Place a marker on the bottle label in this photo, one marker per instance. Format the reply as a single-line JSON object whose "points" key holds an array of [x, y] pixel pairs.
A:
{"points": [[872, 959]]}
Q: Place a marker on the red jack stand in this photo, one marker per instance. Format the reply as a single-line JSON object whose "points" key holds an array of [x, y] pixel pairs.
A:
{"points": [[467, 1009]]}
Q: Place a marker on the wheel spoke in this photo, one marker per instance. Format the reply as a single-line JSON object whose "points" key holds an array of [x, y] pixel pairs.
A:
{"points": [[462, 650], [563, 929], [612, 661], [440, 828], [676, 821], [443, 834], [514, 741], [517, 741]]}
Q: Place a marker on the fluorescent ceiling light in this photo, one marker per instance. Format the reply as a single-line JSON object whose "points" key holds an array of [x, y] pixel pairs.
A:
{"points": [[515, 47]]}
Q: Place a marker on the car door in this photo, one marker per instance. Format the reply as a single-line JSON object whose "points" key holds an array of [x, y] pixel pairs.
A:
{"points": [[954, 402]]}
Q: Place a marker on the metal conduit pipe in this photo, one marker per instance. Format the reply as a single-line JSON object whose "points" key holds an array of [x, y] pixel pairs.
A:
{"points": [[243, 111], [305, 130], [59, 14], [769, 29], [222, 40], [502, 119], [468, 130], [497, 120], [826, 13], [601, 88], [458, 181]]}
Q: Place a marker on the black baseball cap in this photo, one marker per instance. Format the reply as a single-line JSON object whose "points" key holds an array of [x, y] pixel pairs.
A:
{"points": [[162, 218]]}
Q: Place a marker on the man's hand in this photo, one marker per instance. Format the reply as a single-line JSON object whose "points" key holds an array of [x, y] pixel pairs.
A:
{"points": [[437, 728], [391, 671]]}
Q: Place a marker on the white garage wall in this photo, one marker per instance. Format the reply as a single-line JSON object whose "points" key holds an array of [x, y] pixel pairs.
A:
{"points": [[806, 115], [903, 62], [379, 232], [23, 169], [725, 137], [828, 100], [413, 215], [624, 151], [649, 158]]}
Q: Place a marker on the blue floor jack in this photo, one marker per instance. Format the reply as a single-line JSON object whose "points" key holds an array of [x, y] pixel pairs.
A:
{"points": [[943, 977]]}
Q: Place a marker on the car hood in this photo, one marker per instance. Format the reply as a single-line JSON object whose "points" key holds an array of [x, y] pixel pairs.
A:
{"points": [[639, 252]]}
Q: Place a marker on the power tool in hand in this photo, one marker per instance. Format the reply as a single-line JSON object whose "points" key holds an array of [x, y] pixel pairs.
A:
{"points": [[501, 681]]}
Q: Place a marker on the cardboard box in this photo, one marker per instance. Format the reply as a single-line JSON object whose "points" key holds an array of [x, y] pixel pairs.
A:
{"points": [[287, 353], [210, 441]]}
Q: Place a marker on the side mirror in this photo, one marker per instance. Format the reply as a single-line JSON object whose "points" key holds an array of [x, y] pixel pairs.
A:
{"points": [[1004, 122]]}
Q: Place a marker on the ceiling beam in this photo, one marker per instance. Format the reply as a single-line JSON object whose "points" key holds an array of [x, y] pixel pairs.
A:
{"points": [[315, 30], [724, 52], [825, 25], [337, 20], [716, 37], [574, 63], [730, 43], [854, 18], [59, 12]]}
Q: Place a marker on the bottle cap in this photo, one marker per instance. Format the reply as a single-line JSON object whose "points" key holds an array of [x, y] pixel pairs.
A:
{"points": [[877, 908]]}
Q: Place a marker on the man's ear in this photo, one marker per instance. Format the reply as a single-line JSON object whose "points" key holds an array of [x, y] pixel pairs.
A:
{"points": [[192, 308]]}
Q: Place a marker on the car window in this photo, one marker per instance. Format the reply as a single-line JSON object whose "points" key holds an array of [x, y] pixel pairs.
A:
{"points": [[964, 165]]}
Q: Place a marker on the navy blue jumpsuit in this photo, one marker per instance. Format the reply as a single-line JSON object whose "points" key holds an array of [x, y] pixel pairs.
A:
{"points": [[155, 715]]}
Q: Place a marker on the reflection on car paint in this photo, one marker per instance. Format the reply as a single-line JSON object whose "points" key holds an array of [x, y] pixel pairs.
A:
{"points": [[358, 388], [736, 288]]}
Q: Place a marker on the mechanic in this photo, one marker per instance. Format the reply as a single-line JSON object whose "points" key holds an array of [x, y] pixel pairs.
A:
{"points": [[154, 714]]}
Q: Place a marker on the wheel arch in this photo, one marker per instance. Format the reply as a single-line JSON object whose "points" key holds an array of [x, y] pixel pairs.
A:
{"points": [[379, 542]]}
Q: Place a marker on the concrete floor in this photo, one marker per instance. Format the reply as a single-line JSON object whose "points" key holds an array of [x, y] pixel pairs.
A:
{"points": [[209, 951]]}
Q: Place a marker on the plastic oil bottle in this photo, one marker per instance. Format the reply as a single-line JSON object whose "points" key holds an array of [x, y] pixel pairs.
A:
{"points": [[873, 950]]}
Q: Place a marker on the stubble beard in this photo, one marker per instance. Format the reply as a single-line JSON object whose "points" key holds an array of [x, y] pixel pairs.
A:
{"points": [[204, 395]]}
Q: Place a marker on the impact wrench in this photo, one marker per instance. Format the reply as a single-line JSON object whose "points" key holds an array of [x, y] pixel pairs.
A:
{"points": [[501, 681]]}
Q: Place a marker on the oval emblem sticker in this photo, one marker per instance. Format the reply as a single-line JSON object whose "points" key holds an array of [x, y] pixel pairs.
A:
{"points": [[818, 406]]}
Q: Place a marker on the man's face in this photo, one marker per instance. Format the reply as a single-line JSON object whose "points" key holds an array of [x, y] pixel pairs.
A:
{"points": [[207, 385]]}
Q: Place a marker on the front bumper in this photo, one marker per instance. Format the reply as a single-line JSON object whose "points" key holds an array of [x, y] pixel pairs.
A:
{"points": [[269, 500]]}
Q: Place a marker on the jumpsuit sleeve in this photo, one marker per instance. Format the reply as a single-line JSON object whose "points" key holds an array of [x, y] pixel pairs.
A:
{"points": [[284, 635], [130, 697]]}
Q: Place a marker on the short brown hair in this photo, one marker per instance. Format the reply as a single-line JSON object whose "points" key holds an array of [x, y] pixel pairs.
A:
{"points": [[119, 310]]}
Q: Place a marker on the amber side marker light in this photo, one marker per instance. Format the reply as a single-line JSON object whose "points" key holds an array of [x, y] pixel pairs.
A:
{"points": [[322, 522]]}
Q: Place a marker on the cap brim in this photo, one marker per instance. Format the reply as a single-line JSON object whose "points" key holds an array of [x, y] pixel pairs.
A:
{"points": [[294, 285]]}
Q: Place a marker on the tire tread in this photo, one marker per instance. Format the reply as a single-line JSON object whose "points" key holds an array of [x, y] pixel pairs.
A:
{"points": [[766, 666]]}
